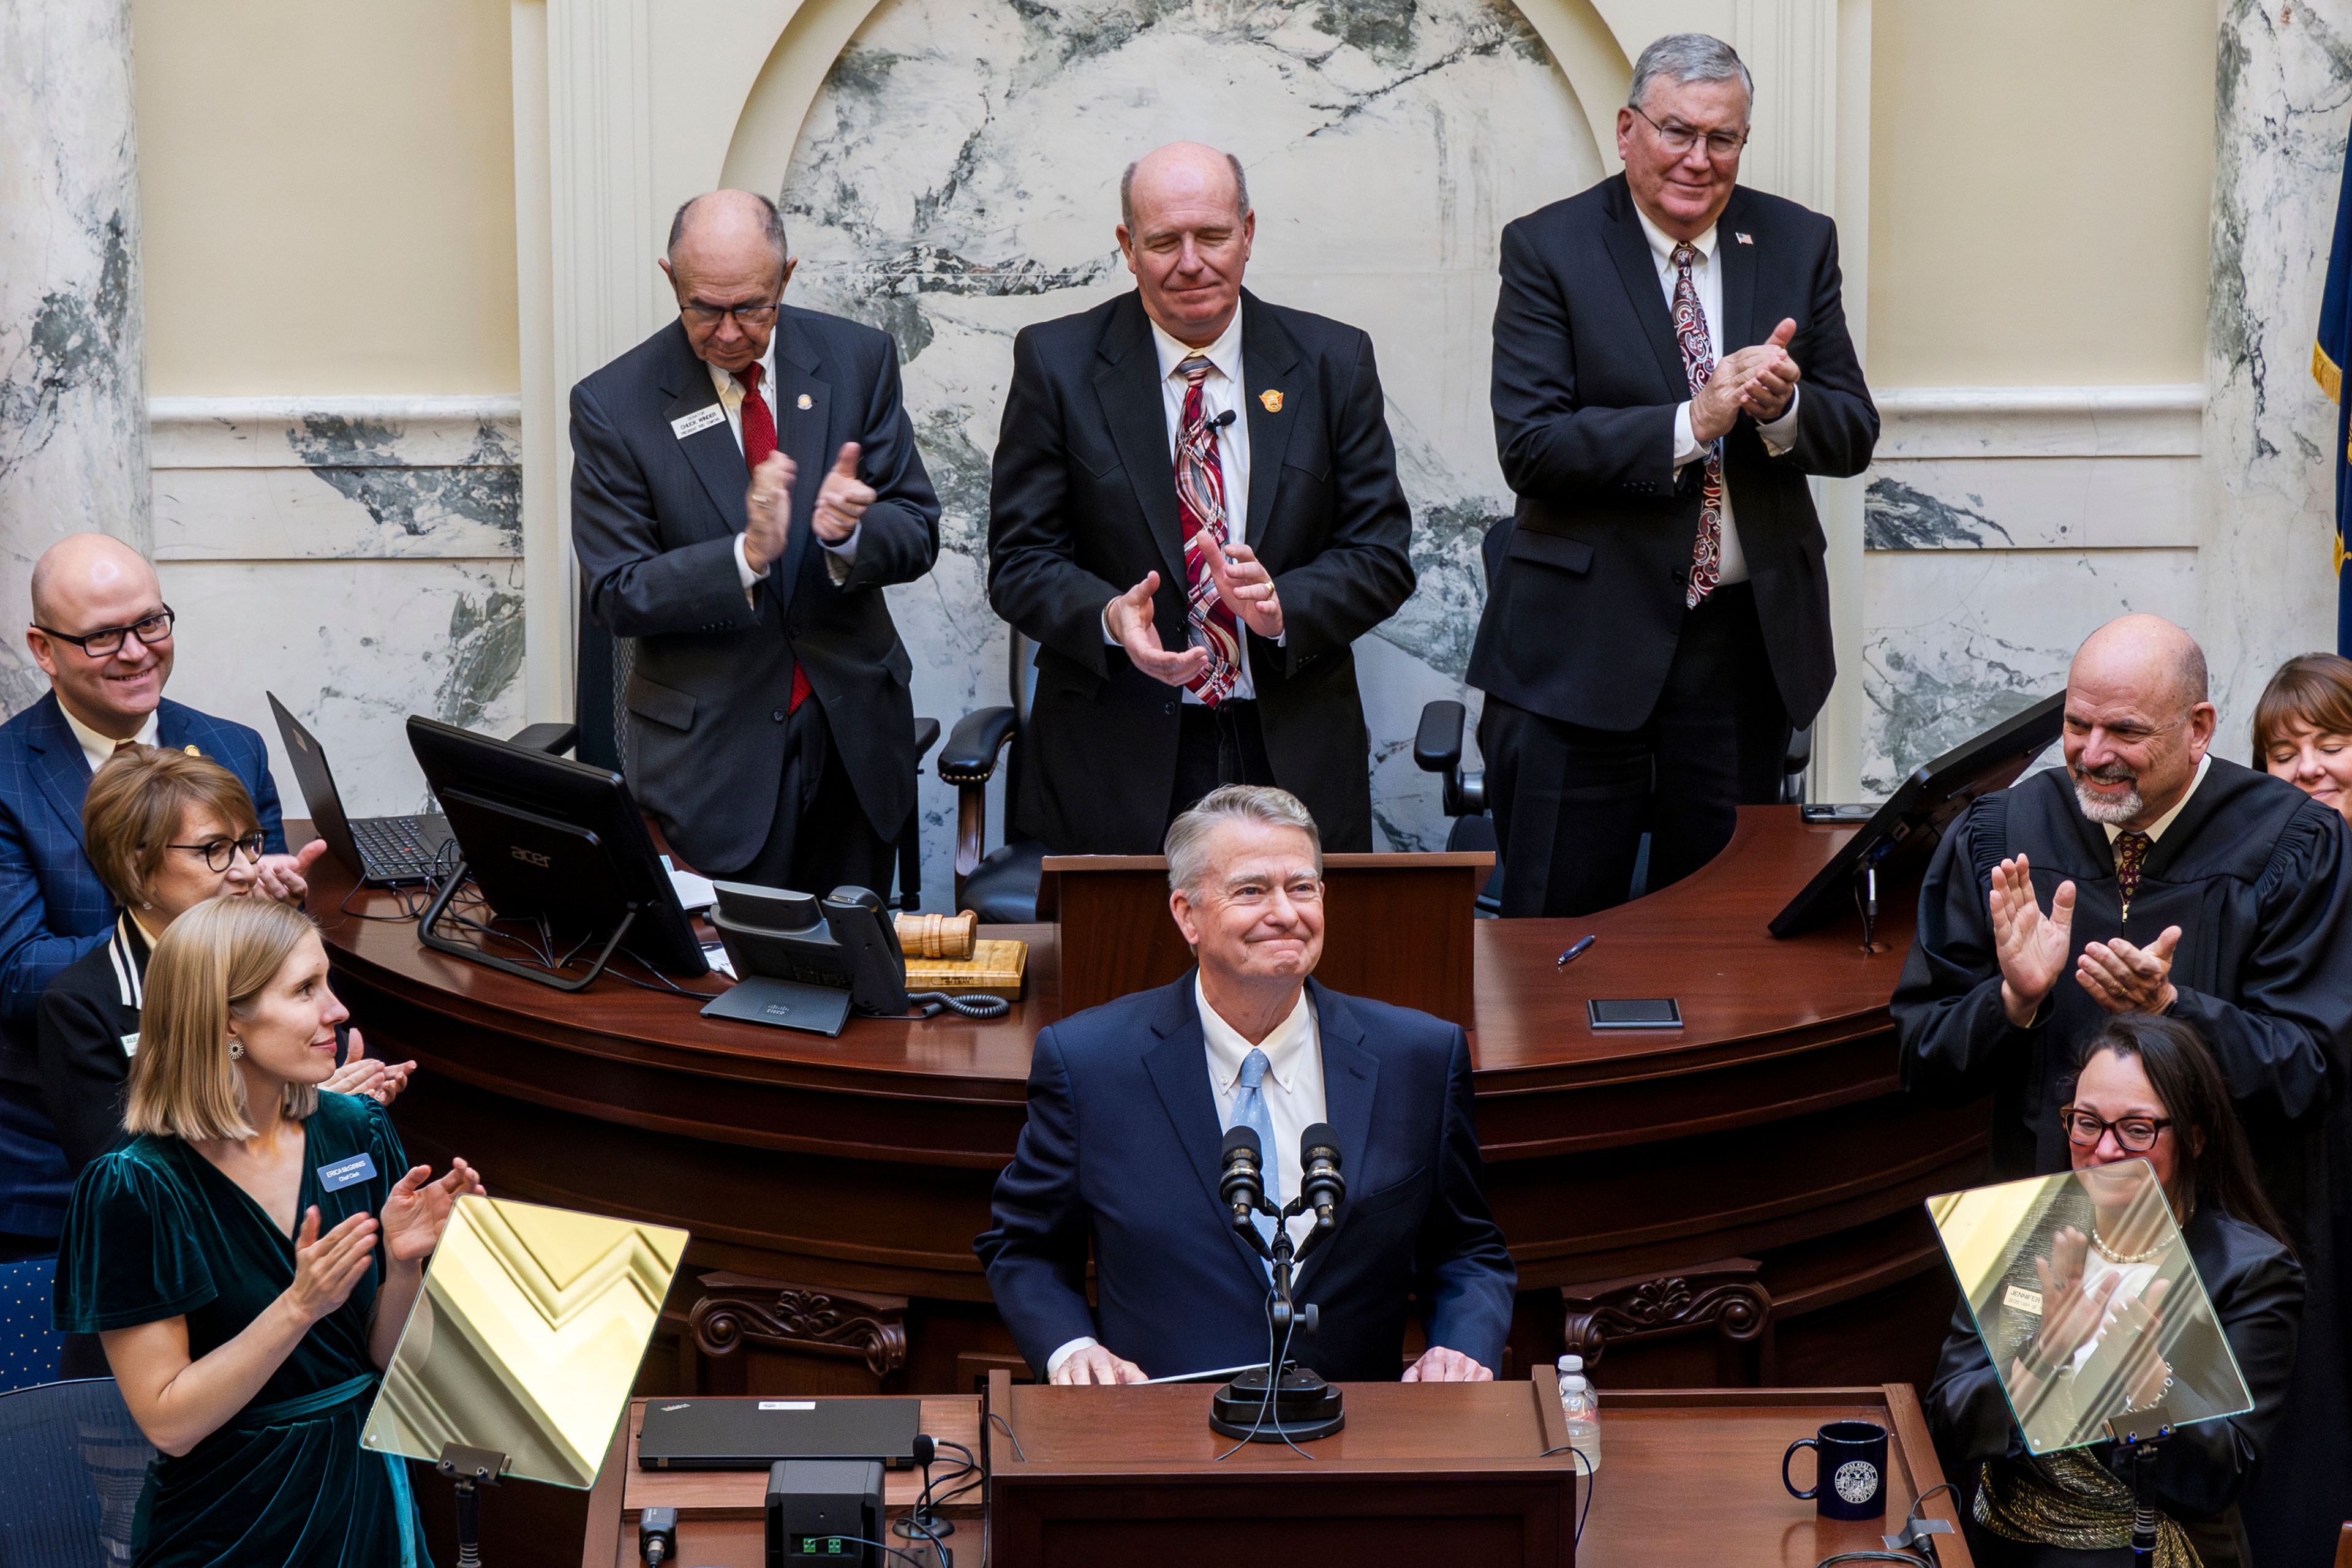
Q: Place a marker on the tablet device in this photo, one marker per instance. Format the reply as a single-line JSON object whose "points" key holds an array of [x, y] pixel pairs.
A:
{"points": [[1645, 1013]]}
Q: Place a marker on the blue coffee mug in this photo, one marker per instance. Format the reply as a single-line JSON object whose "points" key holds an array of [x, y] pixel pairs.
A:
{"points": [[1852, 1479]]}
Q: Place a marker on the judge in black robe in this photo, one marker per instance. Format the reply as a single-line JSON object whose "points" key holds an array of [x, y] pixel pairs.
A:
{"points": [[2254, 873]]}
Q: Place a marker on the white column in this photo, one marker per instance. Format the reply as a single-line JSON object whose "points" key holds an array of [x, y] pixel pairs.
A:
{"points": [[73, 378]]}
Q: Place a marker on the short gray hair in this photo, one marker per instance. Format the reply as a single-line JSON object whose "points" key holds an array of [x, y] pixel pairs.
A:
{"points": [[1189, 834], [1688, 57], [772, 228], [1127, 192]]}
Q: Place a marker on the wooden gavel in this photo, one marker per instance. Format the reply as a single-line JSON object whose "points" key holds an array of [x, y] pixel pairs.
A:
{"points": [[938, 936]]}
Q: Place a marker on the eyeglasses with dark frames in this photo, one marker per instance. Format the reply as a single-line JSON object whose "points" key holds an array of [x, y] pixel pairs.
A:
{"points": [[2136, 1133], [1678, 139], [220, 854], [745, 315], [108, 641]]}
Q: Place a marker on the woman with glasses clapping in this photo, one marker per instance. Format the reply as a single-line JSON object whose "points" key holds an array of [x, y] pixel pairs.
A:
{"points": [[2083, 1317]]}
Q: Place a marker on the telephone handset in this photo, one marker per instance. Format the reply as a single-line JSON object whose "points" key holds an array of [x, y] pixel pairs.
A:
{"points": [[867, 938]]}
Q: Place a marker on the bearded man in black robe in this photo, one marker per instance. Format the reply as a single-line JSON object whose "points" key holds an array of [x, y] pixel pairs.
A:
{"points": [[2150, 875]]}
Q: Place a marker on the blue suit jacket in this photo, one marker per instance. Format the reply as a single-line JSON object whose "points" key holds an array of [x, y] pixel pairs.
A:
{"points": [[53, 909], [1122, 1148]]}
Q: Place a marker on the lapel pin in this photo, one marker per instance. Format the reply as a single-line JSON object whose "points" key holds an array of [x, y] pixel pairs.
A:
{"points": [[1272, 400], [193, 752], [1741, 235], [806, 401]]}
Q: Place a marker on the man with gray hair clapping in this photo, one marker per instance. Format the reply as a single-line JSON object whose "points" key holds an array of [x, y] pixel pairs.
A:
{"points": [[1130, 1102]]}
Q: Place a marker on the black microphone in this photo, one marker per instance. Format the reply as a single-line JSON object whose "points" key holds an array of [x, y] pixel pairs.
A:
{"points": [[1319, 1181], [1221, 420], [1241, 1185]]}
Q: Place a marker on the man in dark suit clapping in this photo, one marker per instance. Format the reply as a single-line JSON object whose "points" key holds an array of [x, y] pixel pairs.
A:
{"points": [[1194, 511], [1657, 617], [745, 484], [1128, 1106]]}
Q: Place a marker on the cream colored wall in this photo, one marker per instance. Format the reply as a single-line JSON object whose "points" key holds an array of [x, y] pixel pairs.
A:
{"points": [[328, 196], [2041, 190]]}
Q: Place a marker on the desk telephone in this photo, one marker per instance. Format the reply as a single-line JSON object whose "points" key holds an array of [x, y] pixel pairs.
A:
{"points": [[845, 941]]}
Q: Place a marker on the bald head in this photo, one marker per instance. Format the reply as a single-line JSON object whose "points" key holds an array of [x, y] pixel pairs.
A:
{"points": [[726, 227], [2137, 720], [1186, 172], [90, 582], [728, 264]]}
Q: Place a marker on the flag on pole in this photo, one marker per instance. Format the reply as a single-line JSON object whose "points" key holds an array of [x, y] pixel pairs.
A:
{"points": [[2329, 356]]}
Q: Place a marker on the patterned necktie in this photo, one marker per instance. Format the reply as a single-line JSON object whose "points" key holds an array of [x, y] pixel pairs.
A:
{"points": [[1250, 1112], [2131, 854], [1698, 365], [759, 444], [1201, 501]]}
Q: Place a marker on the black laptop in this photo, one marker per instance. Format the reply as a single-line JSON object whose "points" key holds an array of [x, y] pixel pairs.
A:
{"points": [[381, 851], [752, 1434]]}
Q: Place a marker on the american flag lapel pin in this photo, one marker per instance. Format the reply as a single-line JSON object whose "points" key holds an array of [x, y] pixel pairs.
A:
{"points": [[1741, 235]]}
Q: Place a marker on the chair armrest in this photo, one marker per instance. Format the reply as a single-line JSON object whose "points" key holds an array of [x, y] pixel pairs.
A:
{"points": [[927, 735], [553, 739], [975, 745], [1800, 754], [1437, 744]]}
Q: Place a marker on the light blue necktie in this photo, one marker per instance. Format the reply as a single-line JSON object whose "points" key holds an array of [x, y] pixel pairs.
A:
{"points": [[1250, 1112]]}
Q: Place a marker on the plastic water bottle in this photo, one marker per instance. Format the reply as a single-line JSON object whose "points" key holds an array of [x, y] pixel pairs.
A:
{"points": [[1582, 1409]]}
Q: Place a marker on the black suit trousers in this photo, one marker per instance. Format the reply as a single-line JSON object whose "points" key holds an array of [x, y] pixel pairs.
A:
{"points": [[820, 839], [1571, 802]]}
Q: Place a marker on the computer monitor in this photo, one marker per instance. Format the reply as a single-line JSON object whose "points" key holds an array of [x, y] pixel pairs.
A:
{"points": [[1897, 839], [549, 838]]}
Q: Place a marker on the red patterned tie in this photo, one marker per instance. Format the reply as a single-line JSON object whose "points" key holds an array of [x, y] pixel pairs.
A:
{"points": [[759, 444], [1698, 365], [1200, 500]]}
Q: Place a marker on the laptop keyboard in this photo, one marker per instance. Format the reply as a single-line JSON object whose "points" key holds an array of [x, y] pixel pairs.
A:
{"points": [[391, 847]]}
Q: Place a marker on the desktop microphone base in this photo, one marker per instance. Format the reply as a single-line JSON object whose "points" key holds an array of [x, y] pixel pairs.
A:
{"points": [[1303, 1408]]}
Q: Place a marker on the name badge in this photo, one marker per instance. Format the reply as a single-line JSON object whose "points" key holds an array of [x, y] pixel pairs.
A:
{"points": [[2023, 1300], [348, 1172], [700, 419], [130, 1044]]}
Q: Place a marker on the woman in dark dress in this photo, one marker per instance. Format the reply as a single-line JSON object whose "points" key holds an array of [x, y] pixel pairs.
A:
{"points": [[249, 1257], [2147, 1089], [166, 830]]}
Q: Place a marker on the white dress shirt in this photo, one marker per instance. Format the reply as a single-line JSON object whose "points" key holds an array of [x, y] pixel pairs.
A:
{"points": [[98, 747], [1706, 278], [1293, 1102], [839, 557], [1221, 392], [2154, 830]]}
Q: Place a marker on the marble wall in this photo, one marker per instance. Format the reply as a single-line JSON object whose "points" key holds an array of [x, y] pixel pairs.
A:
{"points": [[360, 558], [957, 179]]}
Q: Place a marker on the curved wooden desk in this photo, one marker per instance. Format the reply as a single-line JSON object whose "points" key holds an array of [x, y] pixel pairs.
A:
{"points": [[857, 1170]]}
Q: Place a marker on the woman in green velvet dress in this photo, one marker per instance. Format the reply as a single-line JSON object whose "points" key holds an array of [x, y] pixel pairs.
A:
{"points": [[249, 1257]]}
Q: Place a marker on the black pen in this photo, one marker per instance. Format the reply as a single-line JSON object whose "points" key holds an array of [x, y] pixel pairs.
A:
{"points": [[1576, 951]]}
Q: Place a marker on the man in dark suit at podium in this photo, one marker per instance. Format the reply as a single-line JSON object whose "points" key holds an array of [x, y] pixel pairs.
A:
{"points": [[745, 485], [1658, 617], [1128, 1106], [1194, 512]]}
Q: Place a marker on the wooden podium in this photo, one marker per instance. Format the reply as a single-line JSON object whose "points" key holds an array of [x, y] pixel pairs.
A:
{"points": [[1423, 1473], [1397, 928]]}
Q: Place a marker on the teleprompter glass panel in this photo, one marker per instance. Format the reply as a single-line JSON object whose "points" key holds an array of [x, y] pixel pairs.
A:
{"points": [[2089, 1305], [526, 1338]]}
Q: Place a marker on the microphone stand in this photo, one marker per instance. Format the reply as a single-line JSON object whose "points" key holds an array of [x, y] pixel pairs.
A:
{"points": [[1281, 1402]]}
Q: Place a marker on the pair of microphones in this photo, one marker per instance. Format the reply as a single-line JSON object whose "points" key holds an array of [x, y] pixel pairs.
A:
{"points": [[1241, 1180]]}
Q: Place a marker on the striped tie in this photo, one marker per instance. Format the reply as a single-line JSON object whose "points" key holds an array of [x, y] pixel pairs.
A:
{"points": [[1200, 500]]}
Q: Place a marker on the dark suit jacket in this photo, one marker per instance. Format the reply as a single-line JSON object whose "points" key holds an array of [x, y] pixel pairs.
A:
{"points": [[1583, 617], [86, 1015], [1120, 1113], [1082, 503], [654, 520], [53, 909]]}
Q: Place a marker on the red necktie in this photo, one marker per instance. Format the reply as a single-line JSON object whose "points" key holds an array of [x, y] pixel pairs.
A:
{"points": [[1698, 366], [759, 445], [1201, 501]]}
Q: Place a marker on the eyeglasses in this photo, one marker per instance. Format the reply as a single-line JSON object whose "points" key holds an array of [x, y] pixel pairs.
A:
{"points": [[1678, 139], [2135, 1133], [220, 854], [745, 315], [107, 643]]}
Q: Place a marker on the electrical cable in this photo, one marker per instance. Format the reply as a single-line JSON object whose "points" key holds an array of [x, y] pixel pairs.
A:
{"points": [[1874, 1556], [895, 1551], [933, 1003]]}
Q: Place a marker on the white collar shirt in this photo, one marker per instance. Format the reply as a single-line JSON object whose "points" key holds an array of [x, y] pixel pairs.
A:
{"points": [[97, 748], [1221, 392], [2154, 830], [1706, 278]]}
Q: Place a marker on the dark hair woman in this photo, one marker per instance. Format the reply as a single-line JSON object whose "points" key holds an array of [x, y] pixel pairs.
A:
{"points": [[2147, 1089]]}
